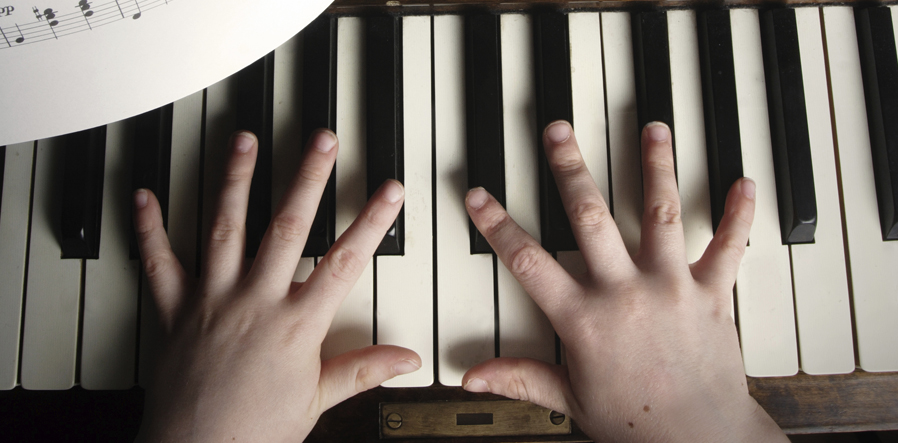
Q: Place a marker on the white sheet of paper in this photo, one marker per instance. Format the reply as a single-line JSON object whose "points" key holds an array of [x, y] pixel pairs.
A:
{"points": [[69, 65]]}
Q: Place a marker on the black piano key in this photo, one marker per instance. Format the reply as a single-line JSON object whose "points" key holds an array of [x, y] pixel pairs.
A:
{"points": [[723, 139], [552, 58], [792, 163], [384, 116], [651, 60], [2, 169], [485, 138], [319, 110], [879, 63], [82, 202], [152, 160], [255, 106]]}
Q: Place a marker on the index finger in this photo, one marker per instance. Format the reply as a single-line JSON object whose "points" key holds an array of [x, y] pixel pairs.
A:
{"points": [[539, 274]]}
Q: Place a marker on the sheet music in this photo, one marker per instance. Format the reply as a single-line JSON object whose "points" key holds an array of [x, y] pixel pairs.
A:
{"points": [[69, 65]]}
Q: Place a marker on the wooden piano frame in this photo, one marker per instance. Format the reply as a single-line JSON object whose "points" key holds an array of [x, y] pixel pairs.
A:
{"points": [[800, 404]]}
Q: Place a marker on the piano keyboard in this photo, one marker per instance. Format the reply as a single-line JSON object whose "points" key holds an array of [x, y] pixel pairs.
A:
{"points": [[461, 103]]}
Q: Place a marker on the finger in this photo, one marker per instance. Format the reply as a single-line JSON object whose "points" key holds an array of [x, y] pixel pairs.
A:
{"points": [[540, 275], [522, 379], [594, 228], [338, 271], [286, 236], [223, 258], [167, 279], [662, 246], [360, 370], [720, 262]]}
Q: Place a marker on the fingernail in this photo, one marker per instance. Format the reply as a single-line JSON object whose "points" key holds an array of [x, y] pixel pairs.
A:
{"points": [[140, 198], [326, 141], [393, 191], [405, 367], [243, 142], [748, 188], [657, 131], [558, 132], [477, 197], [477, 385]]}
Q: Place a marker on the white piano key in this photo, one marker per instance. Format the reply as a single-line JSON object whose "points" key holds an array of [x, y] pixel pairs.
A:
{"points": [[183, 212], [405, 283], [524, 331], [287, 146], [822, 313], [353, 326], [764, 283], [465, 282], [874, 282], [53, 300], [14, 240], [109, 326], [692, 155], [623, 130]]}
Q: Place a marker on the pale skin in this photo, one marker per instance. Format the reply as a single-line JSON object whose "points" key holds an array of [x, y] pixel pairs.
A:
{"points": [[652, 352]]}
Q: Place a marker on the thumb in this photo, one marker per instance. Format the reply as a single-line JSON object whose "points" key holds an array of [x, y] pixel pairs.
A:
{"points": [[359, 370], [525, 379]]}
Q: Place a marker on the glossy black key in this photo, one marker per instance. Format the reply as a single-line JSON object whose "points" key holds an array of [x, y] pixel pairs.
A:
{"points": [[82, 202], [879, 63], [384, 116], [255, 106], [483, 91], [792, 163], [319, 110], [152, 160], [2, 169], [552, 58], [651, 60], [722, 136]]}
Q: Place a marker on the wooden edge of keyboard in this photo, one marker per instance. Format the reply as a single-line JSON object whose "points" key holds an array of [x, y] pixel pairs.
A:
{"points": [[422, 7], [801, 404]]}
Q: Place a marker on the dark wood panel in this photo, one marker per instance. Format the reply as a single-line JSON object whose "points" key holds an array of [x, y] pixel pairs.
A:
{"points": [[801, 404], [411, 7]]}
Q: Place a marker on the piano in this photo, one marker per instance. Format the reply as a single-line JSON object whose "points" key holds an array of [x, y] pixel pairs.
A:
{"points": [[447, 97]]}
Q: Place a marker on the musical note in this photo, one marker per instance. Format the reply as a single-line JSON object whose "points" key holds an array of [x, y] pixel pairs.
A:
{"points": [[137, 16], [84, 5], [21, 36]]}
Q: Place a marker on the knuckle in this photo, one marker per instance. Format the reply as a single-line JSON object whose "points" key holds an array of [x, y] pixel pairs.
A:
{"points": [[224, 231], [732, 248], [525, 261], [157, 265], [287, 228], [567, 162], [665, 212], [589, 214], [495, 223], [343, 264], [662, 163], [312, 172]]}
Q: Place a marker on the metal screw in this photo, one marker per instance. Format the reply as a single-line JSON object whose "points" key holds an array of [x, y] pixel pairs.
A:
{"points": [[556, 418], [394, 421]]}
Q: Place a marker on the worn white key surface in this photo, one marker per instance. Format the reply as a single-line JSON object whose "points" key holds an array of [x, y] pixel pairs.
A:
{"points": [[287, 143], [109, 330], [689, 120], [405, 283], [524, 331], [465, 282], [764, 283], [353, 326], [623, 128], [53, 300], [822, 313], [14, 215], [183, 211], [874, 282]]}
